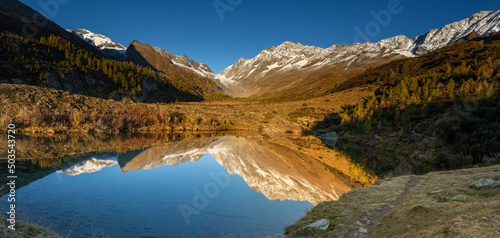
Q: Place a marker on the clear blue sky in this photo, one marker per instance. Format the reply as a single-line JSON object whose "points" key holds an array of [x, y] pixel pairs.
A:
{"points": [[194, 27]]}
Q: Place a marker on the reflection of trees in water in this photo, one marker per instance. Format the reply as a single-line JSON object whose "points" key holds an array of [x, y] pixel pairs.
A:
{"points": [[51, 149], [28, 171], [373, 161]]}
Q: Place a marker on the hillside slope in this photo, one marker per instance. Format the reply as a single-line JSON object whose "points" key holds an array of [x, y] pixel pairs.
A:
{"points": [[17, 18], [442, 110], [55, 62], [146, 56]]}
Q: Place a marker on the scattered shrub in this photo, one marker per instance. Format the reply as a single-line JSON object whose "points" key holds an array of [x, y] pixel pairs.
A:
{"points": [[29, 116], [5, 121]]}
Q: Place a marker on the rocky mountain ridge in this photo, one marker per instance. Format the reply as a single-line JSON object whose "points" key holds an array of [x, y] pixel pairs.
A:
{"points": [[98, 40], [290, 57], [184, 62], [118, 51], [102, 42]]}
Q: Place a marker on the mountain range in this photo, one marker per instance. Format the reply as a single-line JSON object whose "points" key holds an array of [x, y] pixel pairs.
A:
{"points": [[117, 50], [192, 74], [288, 70], [286, 66]]}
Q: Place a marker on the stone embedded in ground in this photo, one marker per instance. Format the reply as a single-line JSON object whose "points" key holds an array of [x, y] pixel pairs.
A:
{"points": [[465, 216], [362, 230], [367, 221], [459, 198], [321, 224], [497, 184], [483, 183]]}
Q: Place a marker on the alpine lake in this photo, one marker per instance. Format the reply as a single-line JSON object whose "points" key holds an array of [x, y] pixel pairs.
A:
{"points": [[181, 185]]}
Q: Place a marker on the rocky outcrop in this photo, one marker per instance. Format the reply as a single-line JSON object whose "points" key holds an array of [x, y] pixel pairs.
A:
{"points": [[402, 206]]}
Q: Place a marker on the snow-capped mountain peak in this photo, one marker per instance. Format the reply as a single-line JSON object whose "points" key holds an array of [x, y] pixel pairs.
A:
{"points": [[100, 41], [482, 23], [117, 50], [288, 56]]}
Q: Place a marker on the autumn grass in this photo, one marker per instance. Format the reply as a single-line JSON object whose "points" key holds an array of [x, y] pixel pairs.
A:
{"points": [[42, 110], [25, 230], [35, 110]]}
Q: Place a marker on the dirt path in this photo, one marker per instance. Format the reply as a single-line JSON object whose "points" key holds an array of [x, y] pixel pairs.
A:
{"points": [[370, 221]]}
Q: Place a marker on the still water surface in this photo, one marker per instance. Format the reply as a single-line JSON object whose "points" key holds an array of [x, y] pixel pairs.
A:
{"points": [[216, 187]]}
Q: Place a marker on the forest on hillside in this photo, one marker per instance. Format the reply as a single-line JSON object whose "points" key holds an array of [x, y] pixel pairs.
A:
{"points": [[36, 61], [451, 94]]}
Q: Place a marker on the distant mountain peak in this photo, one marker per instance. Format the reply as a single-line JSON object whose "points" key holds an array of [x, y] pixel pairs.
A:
{"points": [[288, 56], [135, 42], [291, 44], [117, 50]]}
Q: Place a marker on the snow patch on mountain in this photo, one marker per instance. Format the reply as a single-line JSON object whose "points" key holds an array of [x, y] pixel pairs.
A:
{"points": [[184, 62], [226, 81]]}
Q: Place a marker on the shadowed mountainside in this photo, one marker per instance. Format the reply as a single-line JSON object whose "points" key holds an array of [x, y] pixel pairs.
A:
{"points": [[146, 56], [16, 17]]}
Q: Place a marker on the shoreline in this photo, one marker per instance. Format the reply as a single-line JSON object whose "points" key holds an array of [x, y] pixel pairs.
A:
{"points": [[24, 229]]}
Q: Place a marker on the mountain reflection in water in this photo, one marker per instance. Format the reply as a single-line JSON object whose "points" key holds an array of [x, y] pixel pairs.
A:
{"points": [[292, 170], [274, 170]]}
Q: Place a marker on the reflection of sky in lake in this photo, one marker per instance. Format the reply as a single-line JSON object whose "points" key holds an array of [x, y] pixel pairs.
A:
{"points": [[145, 203]]}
